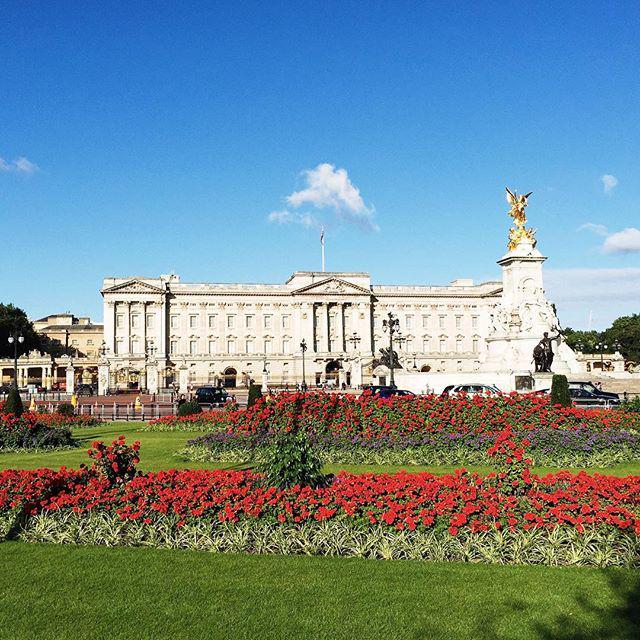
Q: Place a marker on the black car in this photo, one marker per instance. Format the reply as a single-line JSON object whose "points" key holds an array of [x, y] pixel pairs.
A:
{"points": [[584, 398], [211, 396], [382, 391], [591, 388]]}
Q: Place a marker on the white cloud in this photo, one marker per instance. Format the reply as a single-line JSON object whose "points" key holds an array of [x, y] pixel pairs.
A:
{"points": [[608, 293], [329, 190], [293, 217], [609, 182], [625, 241], [598, 229], [25, 166], [19, 165]]}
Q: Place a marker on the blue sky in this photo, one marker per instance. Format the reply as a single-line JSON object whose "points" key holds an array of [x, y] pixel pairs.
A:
{"points": [[137, 141]]}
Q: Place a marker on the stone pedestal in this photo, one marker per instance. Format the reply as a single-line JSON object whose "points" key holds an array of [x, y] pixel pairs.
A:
{"points": [[103, 379], [183, 379], [152, 377], [265, 381], [71, 379]]}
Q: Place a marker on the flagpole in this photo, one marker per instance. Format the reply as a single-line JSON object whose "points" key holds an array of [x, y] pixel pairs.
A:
{"points": [[322, 245]]}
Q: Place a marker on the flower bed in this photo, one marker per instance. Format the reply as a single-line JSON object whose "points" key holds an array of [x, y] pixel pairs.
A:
{"points": [[508, 516], [31, 432], [422, 430], [580, 447], [372, 417], [557, 519]]}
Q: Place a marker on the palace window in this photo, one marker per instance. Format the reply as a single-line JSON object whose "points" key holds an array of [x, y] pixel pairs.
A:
{"points": [[173, 347], [135, 346], [409, 344], [231, 346], [248, 322], [193, 322], [193, 347], [120, 321], [267, 346], [249, 346], [149, 321], [286, 322], [443, 345], [474, 322], [425, 322], [459, 346], [89, 342], [409, 323], [268, 322], [285, 346], [458, 322], [135, 321], [231, 322], [212, 346], [474, 346], [212, 322], [118, 347], [175, 322], [441, 321]]}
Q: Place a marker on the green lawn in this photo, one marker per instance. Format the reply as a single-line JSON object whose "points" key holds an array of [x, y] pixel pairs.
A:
{"points": [[158, 447], [95, 592]]}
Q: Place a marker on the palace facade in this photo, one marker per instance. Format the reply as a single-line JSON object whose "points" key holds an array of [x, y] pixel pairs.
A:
{"points": [[164, 333]]}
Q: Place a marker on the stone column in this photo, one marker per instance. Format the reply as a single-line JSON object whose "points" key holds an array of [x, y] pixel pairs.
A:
{"points": [[103, 378], [340, 327], [328, 332], [183, 378], [265, 381], [71, 381], [152, 377]]}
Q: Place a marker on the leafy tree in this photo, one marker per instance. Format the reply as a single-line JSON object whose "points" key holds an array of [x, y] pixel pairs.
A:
{"points": [[587, 339], [560, 391], [13, 403], [13, 319], [625, 331], [189, 408], [255, 392]]}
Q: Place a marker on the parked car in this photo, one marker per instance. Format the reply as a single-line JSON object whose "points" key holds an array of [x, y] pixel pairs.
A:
{"points": [[86, 390], [584, 398], [212, 396], [386, 391], [474, 389], [591, 388]]}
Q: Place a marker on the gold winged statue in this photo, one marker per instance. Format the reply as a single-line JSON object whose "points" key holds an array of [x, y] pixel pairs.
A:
{"points": [[519, 231]]}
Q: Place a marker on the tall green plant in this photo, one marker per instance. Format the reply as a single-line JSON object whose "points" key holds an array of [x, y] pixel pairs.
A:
{"points": [[13, 403], [255, 393], [560, 391]]}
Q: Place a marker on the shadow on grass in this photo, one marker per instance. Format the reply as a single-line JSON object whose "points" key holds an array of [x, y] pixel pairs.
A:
{"points": [[610, 612]]}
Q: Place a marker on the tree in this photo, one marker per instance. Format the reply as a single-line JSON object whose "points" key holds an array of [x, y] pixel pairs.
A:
{"points": [[626, 332], [255, 393], [560, 391], [13, 319], [13, 404], [587, 339]]}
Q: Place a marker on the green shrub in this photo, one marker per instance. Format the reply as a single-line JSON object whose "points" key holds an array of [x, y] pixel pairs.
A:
{"points": [[292, 460], [65, 409], [255, 393], [13, 403], [189, 408], [560, 391], [632, 406]]}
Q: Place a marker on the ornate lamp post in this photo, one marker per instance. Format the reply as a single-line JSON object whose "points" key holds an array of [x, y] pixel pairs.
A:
{"points": [[303, 348], [14, 339], [391, 324], [601, 346]]}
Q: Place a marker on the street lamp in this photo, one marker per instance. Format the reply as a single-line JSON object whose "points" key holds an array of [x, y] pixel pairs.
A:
{"points": [[392, 325], [303, 348], [601, 346], [14, 339]]}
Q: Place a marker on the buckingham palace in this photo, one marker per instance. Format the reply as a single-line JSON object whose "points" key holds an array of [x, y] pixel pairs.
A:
{"points": [[329, 328]]}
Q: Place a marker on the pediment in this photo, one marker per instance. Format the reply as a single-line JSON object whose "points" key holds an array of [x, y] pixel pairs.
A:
{"points": [[133, 286], [333, 286]]}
